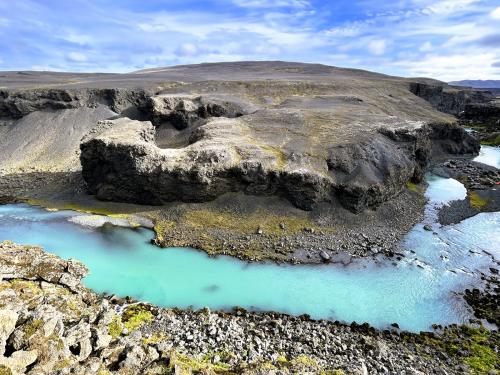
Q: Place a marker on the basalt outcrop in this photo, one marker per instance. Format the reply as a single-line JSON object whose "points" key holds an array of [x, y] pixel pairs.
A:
{"points": [[123, 163], [450, 99]]}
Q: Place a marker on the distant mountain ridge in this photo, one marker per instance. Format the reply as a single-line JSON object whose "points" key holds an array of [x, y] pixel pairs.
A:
{"points": [[478, 84]]}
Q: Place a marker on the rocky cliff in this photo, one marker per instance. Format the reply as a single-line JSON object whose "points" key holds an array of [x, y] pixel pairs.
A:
{"points": [[449, 99], [123, 163]]}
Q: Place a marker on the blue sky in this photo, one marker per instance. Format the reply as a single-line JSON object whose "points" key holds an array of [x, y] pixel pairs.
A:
{"points": [[444, 39]]}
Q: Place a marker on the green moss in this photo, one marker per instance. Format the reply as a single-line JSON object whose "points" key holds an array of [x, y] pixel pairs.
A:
{"points": [[194, 365], [62, 364], [153, 339], [281, 359], [162, 226], [135, 316], [32, 326], [481, 357], [304, 361], [476, 201], [411, 186], [471, 345], [115, 328], [103, 371], [57, 340], [22, 286], [492, 142]]}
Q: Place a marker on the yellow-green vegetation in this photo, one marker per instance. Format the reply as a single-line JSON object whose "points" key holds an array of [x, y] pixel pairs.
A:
{"points": [[135, 316], [103, 371], [476, 201], [32, 326], [492, 142], [268, 222], [280, 156], [160, 227], [196, 366], [411, 186], [5, 370], [25, 286], [281, 359], [57, 340], [482, 357], [153, 339], [115, 328], [62, 364], [473, 346], [304, 360]]}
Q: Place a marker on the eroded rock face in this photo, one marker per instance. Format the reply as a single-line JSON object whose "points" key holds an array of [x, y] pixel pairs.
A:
{"points": [[183, 111], [451, 100], [18, 103], [123, 163]]}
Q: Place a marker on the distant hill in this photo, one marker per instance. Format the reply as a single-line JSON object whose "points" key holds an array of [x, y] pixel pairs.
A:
{"points": [[478, 84]]}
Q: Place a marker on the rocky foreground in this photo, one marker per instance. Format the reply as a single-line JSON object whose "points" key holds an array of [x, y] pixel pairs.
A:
{"points": [[51, 324]]}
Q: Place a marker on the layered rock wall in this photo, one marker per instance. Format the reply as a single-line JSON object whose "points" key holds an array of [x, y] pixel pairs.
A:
{"points": [[123, 164], [449, 100]]}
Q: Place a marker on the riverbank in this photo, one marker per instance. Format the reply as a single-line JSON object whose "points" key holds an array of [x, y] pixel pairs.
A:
{"points": [[53, 324], [246, 227]]}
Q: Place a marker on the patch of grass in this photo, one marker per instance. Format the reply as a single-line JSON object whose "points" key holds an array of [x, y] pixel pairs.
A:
{"points": [[135, 316], [476, 201], [115, 328]]}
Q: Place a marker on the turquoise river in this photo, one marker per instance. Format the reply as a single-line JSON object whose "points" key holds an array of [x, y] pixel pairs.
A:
{"points": [[418, 291]]}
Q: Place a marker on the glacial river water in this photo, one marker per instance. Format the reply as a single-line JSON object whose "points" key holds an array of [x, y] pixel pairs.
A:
{"points": [[418, 291]]}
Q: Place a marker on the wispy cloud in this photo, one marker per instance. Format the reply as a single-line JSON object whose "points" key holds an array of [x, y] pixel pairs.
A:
{"points": [[444, 39], [272, 3]]}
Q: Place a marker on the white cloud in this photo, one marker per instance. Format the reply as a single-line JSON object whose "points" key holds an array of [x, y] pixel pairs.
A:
{"points": [[271, 3], [426, 47], [350, 30], [187, 49], [377, 47], [76, 38], [77, 57], [444, 7], [453, 67], [495, 14]]}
